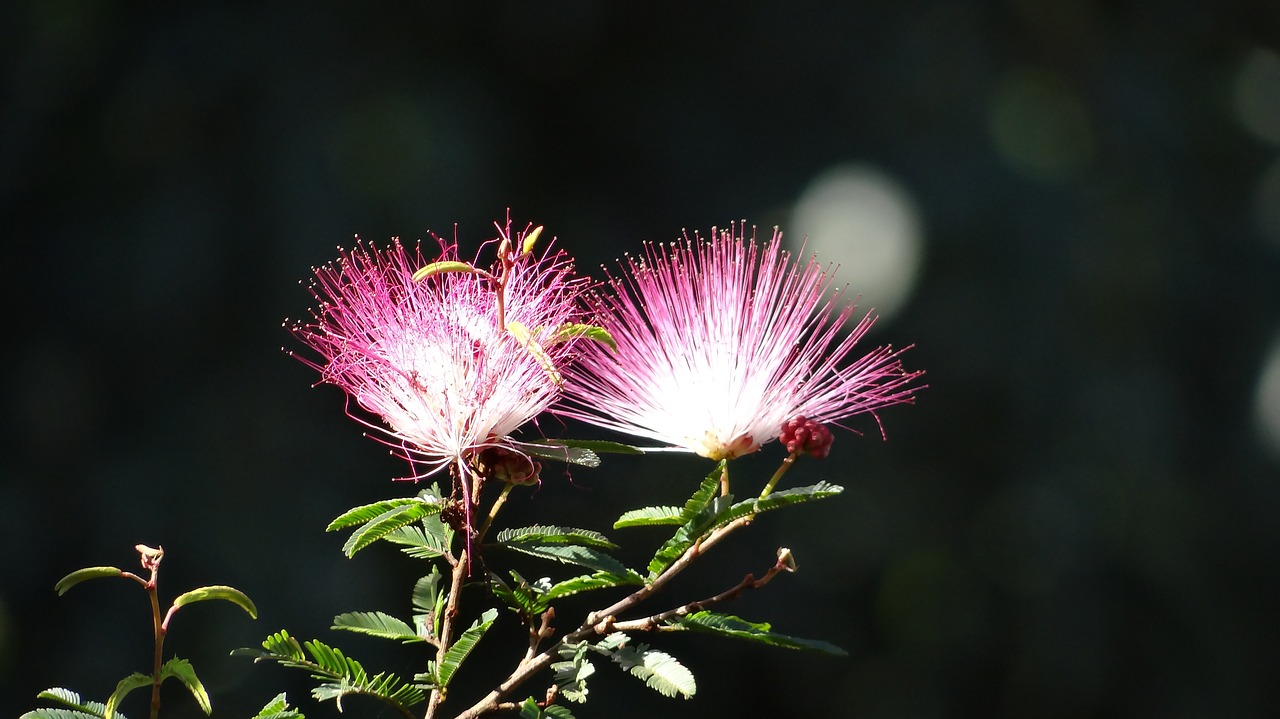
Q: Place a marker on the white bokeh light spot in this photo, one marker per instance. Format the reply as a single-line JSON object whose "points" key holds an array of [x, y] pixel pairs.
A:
{"points": [[1267, 400], [866, 222]]}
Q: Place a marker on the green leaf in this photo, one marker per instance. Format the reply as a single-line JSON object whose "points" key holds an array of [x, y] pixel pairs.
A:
{"points": [[182, 670], [428, 601], [81, 575], [529, 709], [571, 674], [595, 445], [570, 330], [588, 582], [387, 522], [339, 674], [278, 647], [526, 597], [126, 685], [552, 534], [229, 594], [368, 512], [582, 556], [436, 268], [568, 455], [456, 654], [377, 624], [278, 708], [427, 540], [700, 515], [649, 517], [72, 699], [761, 632], [53, 713], [659, 670], [695, 527], [777, 500], [706, 492]]}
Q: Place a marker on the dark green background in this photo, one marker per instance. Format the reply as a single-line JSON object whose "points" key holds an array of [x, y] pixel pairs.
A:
{"points": [[1077, 518]]}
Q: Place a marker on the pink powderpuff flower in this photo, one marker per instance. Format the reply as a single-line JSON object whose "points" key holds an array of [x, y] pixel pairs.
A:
{"points": [[720, 343], [453, 363]]}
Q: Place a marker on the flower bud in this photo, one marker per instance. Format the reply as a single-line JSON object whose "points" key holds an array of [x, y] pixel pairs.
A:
{"points": [[507, 465], [804, 435]]}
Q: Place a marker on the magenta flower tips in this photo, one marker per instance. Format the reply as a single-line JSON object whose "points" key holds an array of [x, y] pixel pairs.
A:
{"points": [[453, 363], [722, 341]]}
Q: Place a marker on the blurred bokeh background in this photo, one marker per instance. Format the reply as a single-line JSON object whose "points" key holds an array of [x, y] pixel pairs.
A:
{"points": [[1072, 209]]}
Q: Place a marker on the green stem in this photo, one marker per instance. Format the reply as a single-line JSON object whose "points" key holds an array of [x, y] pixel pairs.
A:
{"points": [[773, 481], [493, 511]]}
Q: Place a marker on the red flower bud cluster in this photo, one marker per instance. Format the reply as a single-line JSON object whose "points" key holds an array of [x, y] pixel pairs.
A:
{"points": [[804, 435]]}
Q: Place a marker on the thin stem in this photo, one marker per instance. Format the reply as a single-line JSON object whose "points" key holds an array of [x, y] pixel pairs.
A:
{"points": [[446, 628], [158, 624], [493, 511], [601, 622], [773, 481], [654, 621]]}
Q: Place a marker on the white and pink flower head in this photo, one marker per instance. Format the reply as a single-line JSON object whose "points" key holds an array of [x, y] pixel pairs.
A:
{"points": [[452, 356], [724, 345]]}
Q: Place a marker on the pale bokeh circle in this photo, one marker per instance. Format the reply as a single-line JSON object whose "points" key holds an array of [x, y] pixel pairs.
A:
{"points": [[867, 223]]}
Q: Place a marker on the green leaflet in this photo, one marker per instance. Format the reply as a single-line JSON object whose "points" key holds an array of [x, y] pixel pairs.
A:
{"points": [[582, 556], [777, 500], [55, 713], [761, 632], [377, 624], [339, 674], [368, 512], [278, 708], [387, 522], [585, 452], [659, 670], [553, 534], [428, 603], [529, 709], [568, 455], [427, 540], [699, 516], [229, 594], [649, 517], [707, 490], [77, 708], [182, 670], [126, 685], [525, 597], [571, 673], [456, 654], [82, 575], [588, 582], [533, 598]]}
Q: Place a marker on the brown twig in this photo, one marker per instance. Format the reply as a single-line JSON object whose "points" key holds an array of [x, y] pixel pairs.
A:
{"points": [[601, 622], [446, 627]]}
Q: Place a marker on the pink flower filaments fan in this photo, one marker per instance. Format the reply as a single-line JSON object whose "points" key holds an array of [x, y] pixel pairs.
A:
{"points": [[452, 357], [722, 341]]}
